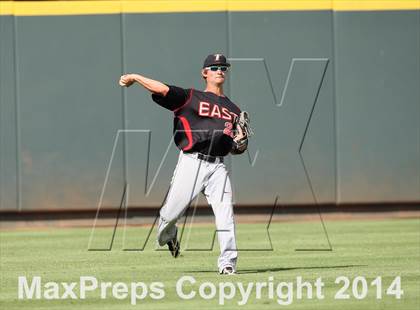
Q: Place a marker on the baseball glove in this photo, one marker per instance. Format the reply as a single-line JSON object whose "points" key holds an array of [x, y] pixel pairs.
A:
{"points": [[242, 130]]}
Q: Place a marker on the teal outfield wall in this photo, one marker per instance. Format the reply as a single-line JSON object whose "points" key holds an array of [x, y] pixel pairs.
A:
{"points": [[333, 96]]}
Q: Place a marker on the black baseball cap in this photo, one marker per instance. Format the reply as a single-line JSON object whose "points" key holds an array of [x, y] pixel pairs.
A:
{"points": [[215, 59]]}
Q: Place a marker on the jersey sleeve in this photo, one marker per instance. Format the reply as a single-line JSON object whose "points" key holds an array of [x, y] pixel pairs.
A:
{"points": [[174, 99]]}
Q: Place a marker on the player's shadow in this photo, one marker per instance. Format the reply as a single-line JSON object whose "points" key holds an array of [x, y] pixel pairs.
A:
{"points": [[275, 269]]}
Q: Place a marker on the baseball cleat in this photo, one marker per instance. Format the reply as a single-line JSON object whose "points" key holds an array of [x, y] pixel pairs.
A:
{"points": [[228, 270], [173, 247]]}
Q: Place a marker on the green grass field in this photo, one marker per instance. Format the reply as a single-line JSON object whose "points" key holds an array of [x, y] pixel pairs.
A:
{"points": [[386, 248]]}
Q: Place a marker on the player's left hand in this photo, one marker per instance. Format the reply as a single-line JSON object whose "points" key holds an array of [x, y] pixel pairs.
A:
{"points": [[242, 128], [239, 133]]}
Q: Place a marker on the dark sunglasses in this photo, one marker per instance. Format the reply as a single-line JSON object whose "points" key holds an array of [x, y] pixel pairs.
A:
{"points": [[215, 68]]}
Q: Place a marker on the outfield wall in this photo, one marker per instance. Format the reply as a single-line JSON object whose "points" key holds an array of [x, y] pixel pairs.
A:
{"points": [[333, 94]]}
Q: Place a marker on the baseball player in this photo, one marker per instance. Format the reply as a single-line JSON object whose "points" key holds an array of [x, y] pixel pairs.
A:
{"points": [[207, 127]]}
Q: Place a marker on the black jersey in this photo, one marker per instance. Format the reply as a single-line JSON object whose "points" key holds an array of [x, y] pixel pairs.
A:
{"points": [[202, 120]]}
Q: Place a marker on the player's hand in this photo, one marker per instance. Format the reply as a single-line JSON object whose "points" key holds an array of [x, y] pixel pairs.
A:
{"points": [[240, 134], [126, 80]]}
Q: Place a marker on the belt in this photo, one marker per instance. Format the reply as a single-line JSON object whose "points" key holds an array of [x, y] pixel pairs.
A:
{"points": [[208, 158]]}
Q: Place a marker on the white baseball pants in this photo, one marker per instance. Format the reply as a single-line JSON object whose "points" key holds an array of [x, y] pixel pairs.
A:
{"points": [[192, 176]]}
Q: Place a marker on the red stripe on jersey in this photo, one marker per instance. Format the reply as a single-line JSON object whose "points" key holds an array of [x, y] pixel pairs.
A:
{"points": [[186, 102], [187, 129]]}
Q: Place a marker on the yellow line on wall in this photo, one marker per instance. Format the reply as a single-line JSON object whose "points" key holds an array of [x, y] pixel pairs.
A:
{"points": [[26, 8], [375, 5]]}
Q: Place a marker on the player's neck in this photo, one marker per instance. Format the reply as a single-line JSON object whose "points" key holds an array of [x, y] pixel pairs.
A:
{"points": [[217, 90]]}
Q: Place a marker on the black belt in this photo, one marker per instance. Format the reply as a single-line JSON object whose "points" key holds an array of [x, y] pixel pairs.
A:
{"points": [[209, 158]]}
